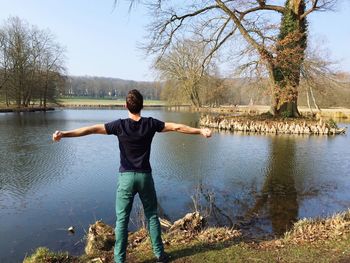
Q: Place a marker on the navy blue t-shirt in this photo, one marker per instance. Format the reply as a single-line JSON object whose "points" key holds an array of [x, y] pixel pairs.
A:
{"points": [[135, 138]]}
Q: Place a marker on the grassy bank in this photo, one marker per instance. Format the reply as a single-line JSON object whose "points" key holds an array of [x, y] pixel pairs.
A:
{"points": [[76, 102], [321, 240], [81, 102], [319, 251]]}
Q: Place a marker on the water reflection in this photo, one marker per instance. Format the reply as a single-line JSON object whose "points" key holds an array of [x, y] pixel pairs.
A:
{"points": [[267, 201], [279, 193]]}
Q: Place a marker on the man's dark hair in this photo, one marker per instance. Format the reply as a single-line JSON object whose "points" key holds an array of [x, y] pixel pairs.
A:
{"points": [[134, 101]]}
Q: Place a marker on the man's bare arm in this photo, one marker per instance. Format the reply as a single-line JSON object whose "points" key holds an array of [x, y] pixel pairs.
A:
{"points": [[170, 126], [94, 129]]}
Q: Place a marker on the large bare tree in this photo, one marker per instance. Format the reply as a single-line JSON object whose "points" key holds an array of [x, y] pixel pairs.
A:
{"points": [[274, 33]]}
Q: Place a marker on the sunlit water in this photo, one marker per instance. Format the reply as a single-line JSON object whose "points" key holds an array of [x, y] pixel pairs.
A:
{"points": [[261, 183]]}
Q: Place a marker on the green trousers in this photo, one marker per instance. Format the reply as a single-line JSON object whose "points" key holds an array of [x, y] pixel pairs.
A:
{"points": [[129, 184]]}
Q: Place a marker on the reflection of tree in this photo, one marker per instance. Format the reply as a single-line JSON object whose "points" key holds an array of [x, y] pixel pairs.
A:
{"points": [[278, 191]]}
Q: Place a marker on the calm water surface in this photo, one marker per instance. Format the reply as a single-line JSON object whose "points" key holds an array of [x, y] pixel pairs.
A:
{"points": [[261, 183]]}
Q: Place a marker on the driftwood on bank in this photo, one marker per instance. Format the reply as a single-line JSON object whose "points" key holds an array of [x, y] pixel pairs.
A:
{"points": [[269, 126], [191, 222]]}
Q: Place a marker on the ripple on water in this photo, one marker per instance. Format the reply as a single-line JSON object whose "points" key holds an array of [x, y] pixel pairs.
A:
{"points": [[31, 165]]}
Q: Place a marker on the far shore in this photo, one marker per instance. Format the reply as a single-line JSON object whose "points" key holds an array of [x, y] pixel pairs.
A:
{"points": [[25, 109], [101, 103], [250, 110]]}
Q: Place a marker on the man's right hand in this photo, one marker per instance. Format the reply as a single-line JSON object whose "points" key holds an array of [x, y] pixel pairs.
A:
{"points": [[206, 132], [57, 136]]}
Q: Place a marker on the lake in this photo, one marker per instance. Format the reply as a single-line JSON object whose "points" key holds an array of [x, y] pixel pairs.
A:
{"points": [[259, 183]]}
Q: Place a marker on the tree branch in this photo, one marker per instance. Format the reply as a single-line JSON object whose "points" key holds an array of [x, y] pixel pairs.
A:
{"points": [[175, 17], [277, 8], [175, 22], [216, 47], [313, 8], [260, 48], [319, 5]]}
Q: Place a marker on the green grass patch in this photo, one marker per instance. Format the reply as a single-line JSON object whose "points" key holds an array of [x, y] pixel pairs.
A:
{"points": [[226, 252], [310, 240], [44, 255], [321, 251]]}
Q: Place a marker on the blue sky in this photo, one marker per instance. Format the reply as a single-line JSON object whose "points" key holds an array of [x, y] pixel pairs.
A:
{"points": [[102, 41]]}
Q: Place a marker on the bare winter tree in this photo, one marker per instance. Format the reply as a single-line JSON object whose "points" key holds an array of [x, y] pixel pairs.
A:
{"points": [[275, 34], [4, 65], [183, 64], [52, 69], [31, 63], [319, 75]]}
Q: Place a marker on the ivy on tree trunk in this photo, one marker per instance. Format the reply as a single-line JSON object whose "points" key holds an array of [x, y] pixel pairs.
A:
{"points": [[290, 50]]}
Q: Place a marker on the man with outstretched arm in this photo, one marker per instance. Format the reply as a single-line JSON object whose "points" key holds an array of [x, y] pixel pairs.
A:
{"points": [[135, 136]]}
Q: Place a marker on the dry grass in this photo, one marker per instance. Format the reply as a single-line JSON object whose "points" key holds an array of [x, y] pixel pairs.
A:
{"points": [[309, 230], [218, 234]]}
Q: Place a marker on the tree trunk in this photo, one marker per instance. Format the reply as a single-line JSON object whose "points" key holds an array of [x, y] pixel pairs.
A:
{"points": [[284, 108], [195, 97], [286, 66], [6, 98], [289, 109], [308, 102], [45, 95], [314, 100], [46, 88], [18, 99]]}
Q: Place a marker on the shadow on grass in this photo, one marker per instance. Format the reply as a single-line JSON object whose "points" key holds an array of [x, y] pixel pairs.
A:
{"points": [[190, 250]]}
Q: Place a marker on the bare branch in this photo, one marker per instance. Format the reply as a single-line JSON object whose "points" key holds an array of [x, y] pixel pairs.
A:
{"points": [[260, 48], [216, 47], [319, 5], [277, 8], [313, 8], [174, 23]]}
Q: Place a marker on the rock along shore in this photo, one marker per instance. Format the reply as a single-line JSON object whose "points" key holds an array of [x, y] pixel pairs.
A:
{"points": [[294, 126]]}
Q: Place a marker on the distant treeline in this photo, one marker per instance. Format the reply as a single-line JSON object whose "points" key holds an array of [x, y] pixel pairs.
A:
{"points": [[217, 92], [102, 87]]}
